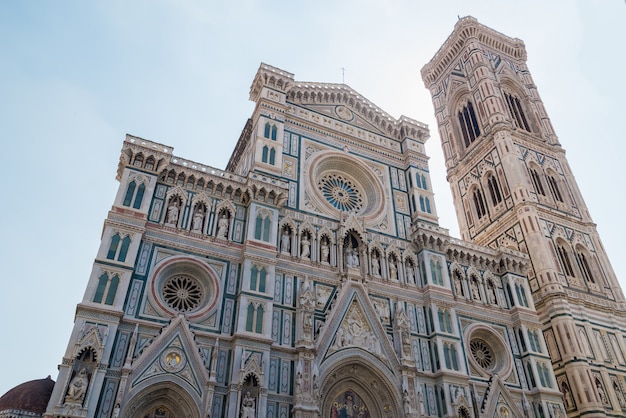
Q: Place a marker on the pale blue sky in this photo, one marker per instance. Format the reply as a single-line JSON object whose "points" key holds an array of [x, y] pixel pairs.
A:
{"points": [[76, 76]]}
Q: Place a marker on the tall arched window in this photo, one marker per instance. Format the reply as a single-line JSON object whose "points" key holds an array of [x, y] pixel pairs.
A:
{"points": [[494, 189], [584, 266], [274, 132], [422, 205], [266, 131], [468, 124], [479, 203], [264, 154], [272, 156], [258, 278], [564, 258], [115, 242], [130, 191], [554, 188], [534, 176], [107, 288], [516, 112], [262, 227], [254, 318], [427, 202]]}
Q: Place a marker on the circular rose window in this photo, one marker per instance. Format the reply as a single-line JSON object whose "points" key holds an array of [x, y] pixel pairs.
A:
{"points": [[335, 181], [182, 285], [489, 353], [340, 192], [482, 353], [182, 293]]}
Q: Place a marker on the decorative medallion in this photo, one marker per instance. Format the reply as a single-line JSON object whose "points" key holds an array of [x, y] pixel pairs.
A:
{"points": [[344, 113], [173, 360]]}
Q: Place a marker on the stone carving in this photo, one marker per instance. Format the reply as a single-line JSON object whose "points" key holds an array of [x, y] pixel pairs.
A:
{"points": [[352, 257], [222, 226], [355, 331], [198, 219], [375, 265], [306, 248], [393, 270], [324, 252], [78, 387], [285, 242], [410, 274], [248, 406], [172, 213]]}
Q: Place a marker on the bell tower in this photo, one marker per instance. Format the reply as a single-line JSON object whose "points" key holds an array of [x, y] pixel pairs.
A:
{"points": [[513, 188]]}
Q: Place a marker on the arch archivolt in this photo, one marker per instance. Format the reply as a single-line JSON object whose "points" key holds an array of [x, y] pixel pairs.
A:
{"points": [[168, 395], [354, 372]]}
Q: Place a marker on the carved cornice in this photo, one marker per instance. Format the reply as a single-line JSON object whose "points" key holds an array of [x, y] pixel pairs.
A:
{"points": [[465, 30]]}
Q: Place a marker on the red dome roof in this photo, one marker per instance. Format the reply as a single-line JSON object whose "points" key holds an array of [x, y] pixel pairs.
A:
{"points": [[31, 396]]}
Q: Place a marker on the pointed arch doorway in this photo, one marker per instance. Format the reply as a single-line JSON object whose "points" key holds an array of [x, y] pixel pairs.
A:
{"points": [[163, 400], [359, 390]]}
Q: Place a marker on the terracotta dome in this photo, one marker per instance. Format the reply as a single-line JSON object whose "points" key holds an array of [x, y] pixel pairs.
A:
{"points": [[31, 396]]}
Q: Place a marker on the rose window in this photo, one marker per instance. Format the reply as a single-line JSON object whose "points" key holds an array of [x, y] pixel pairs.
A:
{"points": [[340, 192], [182, 293], [482, 353]]}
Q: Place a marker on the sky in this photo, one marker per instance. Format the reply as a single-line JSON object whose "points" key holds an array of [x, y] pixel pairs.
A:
{"points": [[76, 76]]}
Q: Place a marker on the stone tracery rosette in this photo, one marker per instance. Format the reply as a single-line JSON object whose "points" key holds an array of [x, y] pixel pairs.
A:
{"points": [[488, 352], [337, 182], [183, 285]]}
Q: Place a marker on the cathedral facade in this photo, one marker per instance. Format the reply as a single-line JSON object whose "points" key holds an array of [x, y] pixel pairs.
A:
{"points": [[311, 278]]}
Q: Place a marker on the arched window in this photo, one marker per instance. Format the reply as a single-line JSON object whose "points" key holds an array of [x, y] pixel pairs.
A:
{"points": [[266, 131], [274, 132], [521, 295], [522, 341], [258, 278], [531, 375], [424, 184], [107, 288], [537, 182], [494, 189], [445, 321], [254, 318], [149, 163], [468, 124], [115, 242], [272, 156], [413, 202], [264, 154], [138, 160], [516, 112], [418, 180], [564, 258], [427, 202], [130, 191], [262, 227], [479, 203], [533, 337], [553, 185], [139, 196], [435, 272], [124, 249], [422, 205], [584, 266]]}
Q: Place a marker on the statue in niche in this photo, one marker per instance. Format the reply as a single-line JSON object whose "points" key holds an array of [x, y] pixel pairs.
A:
{"points": [[475, 290], [78, 387], [248, 404], [222, 226], [198, 219], [410, 275], [285, 241], [352, 258], [306, 247], [491, 293], [172, 213], [393, 270], [324, 252], [458, 286], [375, 265]]}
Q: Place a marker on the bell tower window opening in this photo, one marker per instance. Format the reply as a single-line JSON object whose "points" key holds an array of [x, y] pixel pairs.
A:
{"points": [[107, 288], [554, 188], [517, 113], [537, 182], [494, 189], [584, 267], [565, 260], [468, 124], [479, 203]]}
